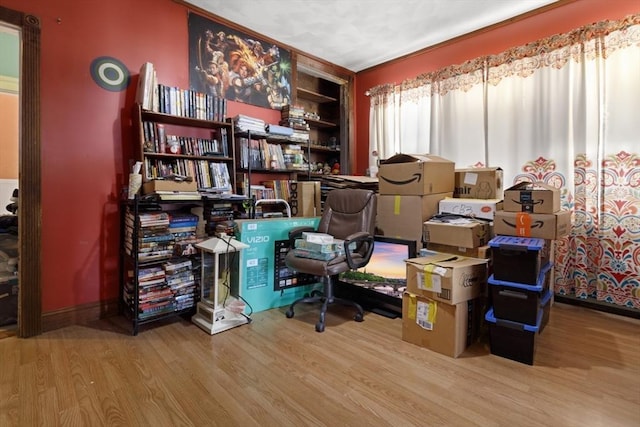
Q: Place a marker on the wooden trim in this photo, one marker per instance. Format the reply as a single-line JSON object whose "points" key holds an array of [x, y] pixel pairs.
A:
{"points": [[598, 305], [79, 314], [29, 202]]}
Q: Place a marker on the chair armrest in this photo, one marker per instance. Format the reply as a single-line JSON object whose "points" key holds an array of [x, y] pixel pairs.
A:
{"points": [[360, 238], [296, 233]]}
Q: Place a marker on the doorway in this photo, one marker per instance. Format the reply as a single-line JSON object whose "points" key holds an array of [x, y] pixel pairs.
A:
{"points": [[9, 125], [29, 171]]}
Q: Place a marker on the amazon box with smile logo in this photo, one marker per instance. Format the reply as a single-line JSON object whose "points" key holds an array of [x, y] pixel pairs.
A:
{"points": [[416, 175], [536, 197], [447, 278], [543, 226]]}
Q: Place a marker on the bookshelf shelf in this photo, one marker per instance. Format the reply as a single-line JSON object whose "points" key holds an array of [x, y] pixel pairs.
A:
{"points": [[159, 278], [314, 96], [170, 145]]}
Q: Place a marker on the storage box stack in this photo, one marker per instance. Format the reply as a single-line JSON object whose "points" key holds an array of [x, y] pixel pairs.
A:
{"points": [[477, 195], [441, 309], [520, 295], [410, 188], [521, 286]]}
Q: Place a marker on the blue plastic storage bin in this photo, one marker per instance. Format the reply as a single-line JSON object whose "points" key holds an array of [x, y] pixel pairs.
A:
{"points": [[517, 259], [514, 340], [519, 302]]}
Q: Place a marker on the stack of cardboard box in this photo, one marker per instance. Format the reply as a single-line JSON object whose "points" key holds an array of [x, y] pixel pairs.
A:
{"points": [[442, 308], [410, 188], [464, 224], [522, 280]]}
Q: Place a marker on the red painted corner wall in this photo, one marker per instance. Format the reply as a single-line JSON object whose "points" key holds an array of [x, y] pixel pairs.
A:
{"points": [[87, 133], [558, 20]]}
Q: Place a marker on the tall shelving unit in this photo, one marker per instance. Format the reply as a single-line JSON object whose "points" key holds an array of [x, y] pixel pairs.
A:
{"points": [[324, 92], [197, 153]]}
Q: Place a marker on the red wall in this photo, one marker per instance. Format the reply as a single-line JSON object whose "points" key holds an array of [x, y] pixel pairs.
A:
{"points": [[87, 135], [559, 20]]}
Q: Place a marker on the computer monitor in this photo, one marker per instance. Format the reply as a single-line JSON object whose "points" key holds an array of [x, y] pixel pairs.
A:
{"points": [[378, 286], [387, 267]]}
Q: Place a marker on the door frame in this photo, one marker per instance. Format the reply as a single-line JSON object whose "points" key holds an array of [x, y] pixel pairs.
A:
{"points": [[29, 179]]}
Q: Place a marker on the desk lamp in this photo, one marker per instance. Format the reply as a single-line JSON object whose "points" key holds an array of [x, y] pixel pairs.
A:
{"points": [[218, 308]]}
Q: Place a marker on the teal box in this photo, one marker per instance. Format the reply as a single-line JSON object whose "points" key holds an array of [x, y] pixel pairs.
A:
{"points": [[266, 238]]}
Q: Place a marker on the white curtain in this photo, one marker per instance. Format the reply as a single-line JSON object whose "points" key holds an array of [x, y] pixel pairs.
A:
{"points": [[564, 110]]}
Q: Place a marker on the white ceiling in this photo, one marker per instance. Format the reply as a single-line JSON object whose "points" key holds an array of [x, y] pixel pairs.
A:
{"points": [[358, 34]]}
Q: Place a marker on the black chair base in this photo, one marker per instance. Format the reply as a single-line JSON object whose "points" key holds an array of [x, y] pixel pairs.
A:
{"points": [[358, 317]]}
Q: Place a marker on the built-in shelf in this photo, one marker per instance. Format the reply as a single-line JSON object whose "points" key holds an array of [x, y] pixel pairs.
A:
{"points": [[314, 96]]}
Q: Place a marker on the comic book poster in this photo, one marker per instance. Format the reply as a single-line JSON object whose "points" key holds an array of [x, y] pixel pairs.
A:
{"points": [[227, 63]]}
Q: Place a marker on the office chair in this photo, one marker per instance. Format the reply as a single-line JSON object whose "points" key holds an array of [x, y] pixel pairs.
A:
{"points": [[350, 215]]}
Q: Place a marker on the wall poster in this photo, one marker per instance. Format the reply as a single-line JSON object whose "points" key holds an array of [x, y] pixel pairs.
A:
{"points": [[227, 63]]}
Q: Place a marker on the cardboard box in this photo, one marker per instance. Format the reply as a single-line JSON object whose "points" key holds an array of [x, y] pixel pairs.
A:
{"points": [[265, 280], [536, 197], [168, 185], [443, 328], [477, 208], [415, 175], [403, 216], [305, 198], [482, 252], [463, 232], [447, 278], [544, 226], [478, 183]]}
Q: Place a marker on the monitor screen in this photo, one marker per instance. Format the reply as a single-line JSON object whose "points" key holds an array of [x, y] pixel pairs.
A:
{"points": [[387, 266]]}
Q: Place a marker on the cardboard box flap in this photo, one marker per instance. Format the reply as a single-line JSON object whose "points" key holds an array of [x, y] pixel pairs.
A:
{"points": [[413, 158], [446, 260], [529, 186]]}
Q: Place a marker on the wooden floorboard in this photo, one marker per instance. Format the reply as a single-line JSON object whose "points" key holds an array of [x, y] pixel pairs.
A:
{"points": [[280, 372]]}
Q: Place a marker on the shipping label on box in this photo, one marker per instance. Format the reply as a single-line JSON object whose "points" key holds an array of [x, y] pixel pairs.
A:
{"points": [[544, 226], [443, 328], [536, 197], [477, 208], [403, 216], [478, 183], [415, 174], [447, 278], [305, 198], [463, 232]]}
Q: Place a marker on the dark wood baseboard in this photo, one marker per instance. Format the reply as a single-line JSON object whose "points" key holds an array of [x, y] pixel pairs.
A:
{"points": [[598, 305], [78, 315]]}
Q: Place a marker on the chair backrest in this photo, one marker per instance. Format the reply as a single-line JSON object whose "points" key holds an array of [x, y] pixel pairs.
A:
{"points": [[348, 211]]}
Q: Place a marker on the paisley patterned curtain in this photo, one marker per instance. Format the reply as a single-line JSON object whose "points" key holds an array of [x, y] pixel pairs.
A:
{"points": [[563, 110]]}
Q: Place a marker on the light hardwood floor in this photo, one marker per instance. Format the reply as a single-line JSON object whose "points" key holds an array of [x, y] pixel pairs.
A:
{"points": [[280, 372]]}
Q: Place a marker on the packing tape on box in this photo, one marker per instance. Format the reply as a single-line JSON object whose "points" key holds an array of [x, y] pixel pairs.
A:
{"points": [[396, 205], [430, 279]]}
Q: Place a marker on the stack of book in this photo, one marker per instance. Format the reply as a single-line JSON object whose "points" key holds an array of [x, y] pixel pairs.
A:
{"points": [[182, 283], [320, 246], [154, 241], [154, 295], [183, 225], [294, 117], [249, 124]]}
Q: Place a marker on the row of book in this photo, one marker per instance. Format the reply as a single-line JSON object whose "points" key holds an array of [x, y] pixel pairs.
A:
{"points": [[260, 154], [157, 141], [208, 174], [154, 96]]}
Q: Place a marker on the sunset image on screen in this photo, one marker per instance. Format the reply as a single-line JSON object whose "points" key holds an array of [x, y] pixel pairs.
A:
{"points": [[387, 261]]}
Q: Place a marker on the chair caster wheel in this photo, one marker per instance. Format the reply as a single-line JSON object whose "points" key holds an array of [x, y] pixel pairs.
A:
{"points": [[319, 327], [289, 314], [358, 317]]}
